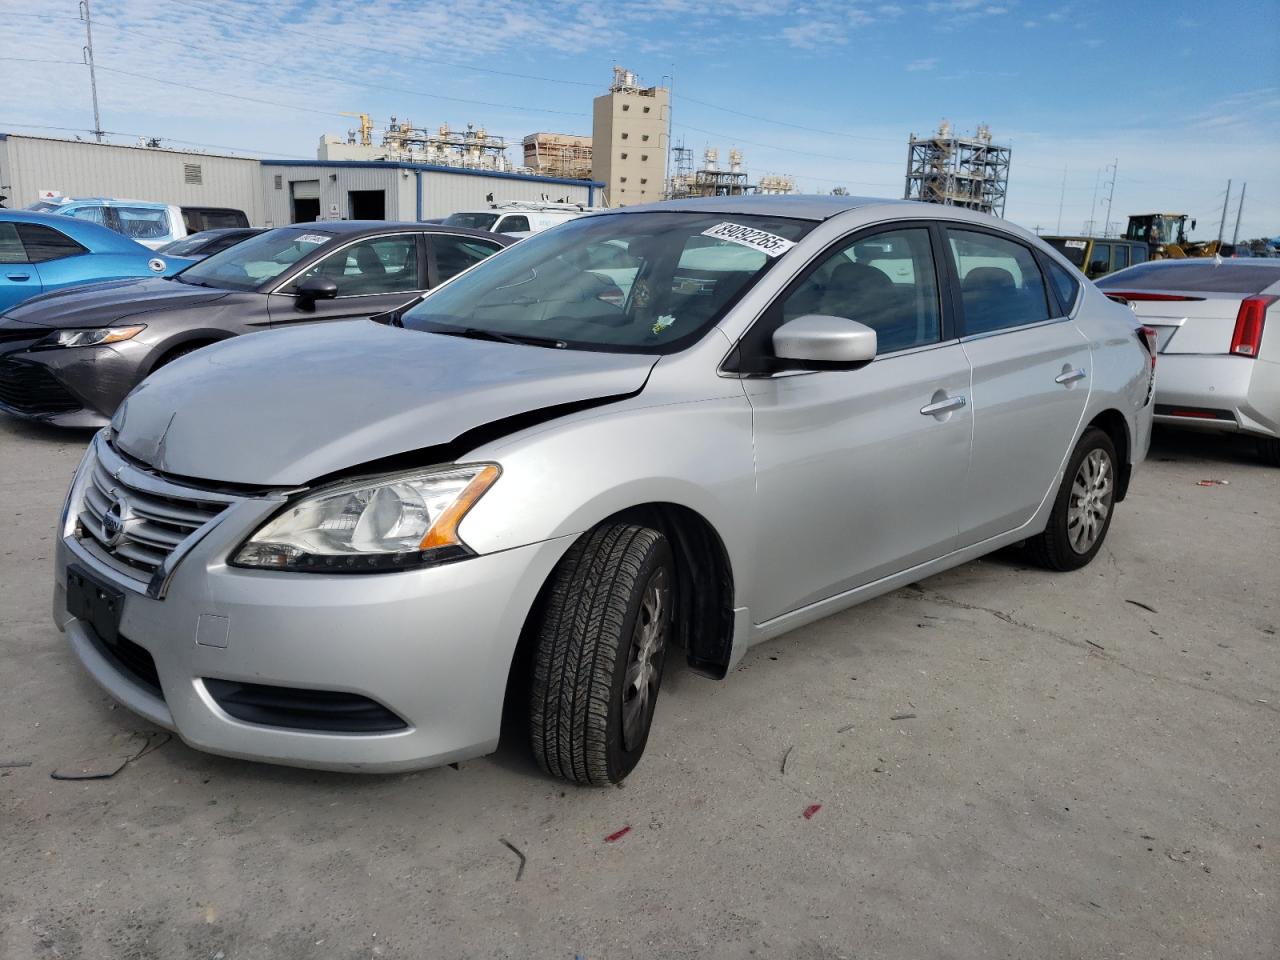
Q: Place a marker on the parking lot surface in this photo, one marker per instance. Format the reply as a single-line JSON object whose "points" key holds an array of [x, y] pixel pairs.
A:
{"points": [[996, 762]]}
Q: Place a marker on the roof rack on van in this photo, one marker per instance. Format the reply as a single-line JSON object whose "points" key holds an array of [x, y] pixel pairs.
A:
{"points": [[539, 205]]}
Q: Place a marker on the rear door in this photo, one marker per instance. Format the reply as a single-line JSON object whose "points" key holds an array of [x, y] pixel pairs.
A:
{"points": [[1031, 378], [372, 274], [19, 278], [449, 254]]}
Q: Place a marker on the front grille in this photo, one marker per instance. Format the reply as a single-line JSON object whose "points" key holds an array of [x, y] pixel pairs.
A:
{"points": [[31, 388], [132, 660], [295, 708], [135, 518]]}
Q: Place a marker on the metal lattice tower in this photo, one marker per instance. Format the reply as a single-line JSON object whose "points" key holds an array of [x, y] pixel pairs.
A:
{"points": [[969, 172]]}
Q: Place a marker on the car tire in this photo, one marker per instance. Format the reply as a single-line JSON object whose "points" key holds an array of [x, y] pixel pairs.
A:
{"points": [[1083, 507], [1269, 451], [601, 642]]}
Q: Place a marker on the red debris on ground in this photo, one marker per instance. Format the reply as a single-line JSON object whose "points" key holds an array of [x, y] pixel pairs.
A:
{"points": [[619, 835], [810, 810]]}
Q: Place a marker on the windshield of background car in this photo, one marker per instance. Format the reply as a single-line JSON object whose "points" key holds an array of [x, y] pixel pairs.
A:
{"points": [[472, 221], [627, 283], [258, 260], [1195, 276], [1073, 250]]}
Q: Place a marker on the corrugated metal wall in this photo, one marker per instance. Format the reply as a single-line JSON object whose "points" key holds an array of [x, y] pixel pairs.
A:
{"points": [[401, 190], [446, 193], [32, 164]]}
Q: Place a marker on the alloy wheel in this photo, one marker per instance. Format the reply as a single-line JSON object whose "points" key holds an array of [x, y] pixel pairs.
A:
{"points": [[1090, 505], [644, 659]]}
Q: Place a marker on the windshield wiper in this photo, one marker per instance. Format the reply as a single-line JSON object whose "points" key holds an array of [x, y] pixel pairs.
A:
{"points": [[523, 339]]}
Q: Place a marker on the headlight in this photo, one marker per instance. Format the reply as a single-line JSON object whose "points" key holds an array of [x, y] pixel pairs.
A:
{"points": [[92, 337], [370, 526]]}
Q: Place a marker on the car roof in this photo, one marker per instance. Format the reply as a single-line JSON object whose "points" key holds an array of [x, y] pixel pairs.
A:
{"points": [[1081, 236], [62, 201], [351, 228], [97, 238], [795, 206]]}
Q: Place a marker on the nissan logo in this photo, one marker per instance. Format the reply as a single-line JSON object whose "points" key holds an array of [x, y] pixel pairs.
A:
{"points": [[113, 522]]}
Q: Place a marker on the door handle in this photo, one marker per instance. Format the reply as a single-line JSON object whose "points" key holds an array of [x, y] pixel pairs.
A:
{"points": [[18, 276], [1070, 376], [942, 406]]}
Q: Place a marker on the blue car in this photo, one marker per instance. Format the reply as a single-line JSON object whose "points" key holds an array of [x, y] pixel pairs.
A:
{"points": [[40, 253]]}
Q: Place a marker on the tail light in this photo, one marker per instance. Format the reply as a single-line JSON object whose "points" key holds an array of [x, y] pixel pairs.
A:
{"points": [[1246, 339]]}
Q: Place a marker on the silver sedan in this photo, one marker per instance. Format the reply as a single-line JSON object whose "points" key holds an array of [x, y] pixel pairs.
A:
{"points": [[1218, 371], [692, 425]]}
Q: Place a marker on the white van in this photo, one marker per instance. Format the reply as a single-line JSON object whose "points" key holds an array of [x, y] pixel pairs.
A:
{"points": [[517, 217]]}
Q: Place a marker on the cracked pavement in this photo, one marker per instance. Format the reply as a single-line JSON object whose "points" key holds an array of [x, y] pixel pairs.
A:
{"points": [[1072, 775]]}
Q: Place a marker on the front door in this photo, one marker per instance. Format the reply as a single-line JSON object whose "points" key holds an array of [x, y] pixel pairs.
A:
{"points": [[1031, 377], [859, 473], [372, 275]]}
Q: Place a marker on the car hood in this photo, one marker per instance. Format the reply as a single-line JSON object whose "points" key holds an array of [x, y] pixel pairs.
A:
{"points": [[282, 408], [102, 304]]}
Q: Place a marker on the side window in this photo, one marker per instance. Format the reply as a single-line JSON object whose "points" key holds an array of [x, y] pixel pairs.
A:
{"points": [[1139, 254], [1099, 260], [45, 243], [455, 254], [10, 246], [143, 223], [1000, 284], [380, 265], [1120, 257], [1064, 285], [511, 224], [886, 281], [96, 215]]}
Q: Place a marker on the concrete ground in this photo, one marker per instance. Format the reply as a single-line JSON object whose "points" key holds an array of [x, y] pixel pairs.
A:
{"points": [[1085, 765]]}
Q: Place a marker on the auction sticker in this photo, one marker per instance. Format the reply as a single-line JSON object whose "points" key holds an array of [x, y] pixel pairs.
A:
{"points": [[770, 244], [1075, 244], [314, 238]]}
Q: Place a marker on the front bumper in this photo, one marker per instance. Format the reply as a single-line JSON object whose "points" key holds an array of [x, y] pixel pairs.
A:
{"points": [[76, 387], [434, 646], [1242, 394]]}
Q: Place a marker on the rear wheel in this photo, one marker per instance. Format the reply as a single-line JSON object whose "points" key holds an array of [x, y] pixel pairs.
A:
{"points": [[1269, 450], [1083, 507], [600, 649]]}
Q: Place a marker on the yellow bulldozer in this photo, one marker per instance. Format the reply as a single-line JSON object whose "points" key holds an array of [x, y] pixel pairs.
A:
{"points": [[1166, 238]]}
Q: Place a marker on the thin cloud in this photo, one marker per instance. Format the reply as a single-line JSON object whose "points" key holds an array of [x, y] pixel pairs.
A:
{"points": [[927, 63]]}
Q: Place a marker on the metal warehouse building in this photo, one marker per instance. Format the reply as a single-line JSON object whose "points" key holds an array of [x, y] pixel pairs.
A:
{"points": [[301, 190], [76, 168], [271, 192]]}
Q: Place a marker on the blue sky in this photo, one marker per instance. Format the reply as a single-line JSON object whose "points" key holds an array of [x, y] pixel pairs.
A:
{"points": [[1182, 96]]}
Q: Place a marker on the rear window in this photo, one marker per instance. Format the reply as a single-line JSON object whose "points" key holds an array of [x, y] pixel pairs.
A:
{"points": [[1201, 276], [472, 221]]}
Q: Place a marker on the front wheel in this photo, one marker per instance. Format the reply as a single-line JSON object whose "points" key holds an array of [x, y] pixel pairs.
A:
{"points": [[1083, 507], [601, 644]]}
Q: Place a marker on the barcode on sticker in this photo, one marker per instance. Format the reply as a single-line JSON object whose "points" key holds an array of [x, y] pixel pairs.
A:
{"points": [[770, 244]]}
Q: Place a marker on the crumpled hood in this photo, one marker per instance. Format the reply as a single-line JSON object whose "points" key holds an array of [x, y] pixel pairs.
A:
{"points": [[102, 304], [282, 408]]}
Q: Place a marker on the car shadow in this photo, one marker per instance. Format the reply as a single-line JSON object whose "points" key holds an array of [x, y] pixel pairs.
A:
{"points": [[46, 432], [1171, 445]]}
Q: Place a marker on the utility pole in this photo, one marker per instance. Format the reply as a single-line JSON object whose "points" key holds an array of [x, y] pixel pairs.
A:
{"points": [[1235, 236], [1106, 224], [1093, 206], [1062, 197], [1222, 224], [88, 58]]}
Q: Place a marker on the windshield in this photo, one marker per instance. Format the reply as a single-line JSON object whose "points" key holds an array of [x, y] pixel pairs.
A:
{"points": [[180, 248], [1073, 250], [253, 262], [629, 283], [472, 221]]}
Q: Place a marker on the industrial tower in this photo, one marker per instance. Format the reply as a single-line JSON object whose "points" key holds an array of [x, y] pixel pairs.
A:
{"points": [[969, 172]]}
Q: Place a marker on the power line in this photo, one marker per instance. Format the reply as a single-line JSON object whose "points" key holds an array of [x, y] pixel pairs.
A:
{"points": [[122, 133]]}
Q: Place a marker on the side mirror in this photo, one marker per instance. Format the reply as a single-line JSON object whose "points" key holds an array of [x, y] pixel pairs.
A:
{"points": [[819, 342], [315, 288]]}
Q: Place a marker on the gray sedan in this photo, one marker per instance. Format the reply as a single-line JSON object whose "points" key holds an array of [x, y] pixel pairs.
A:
{"points": [[69, 358], [693, 425]]}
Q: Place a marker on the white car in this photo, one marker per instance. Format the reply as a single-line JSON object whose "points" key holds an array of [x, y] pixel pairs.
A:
{"points": [[517, 219], [1218, 371]]}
